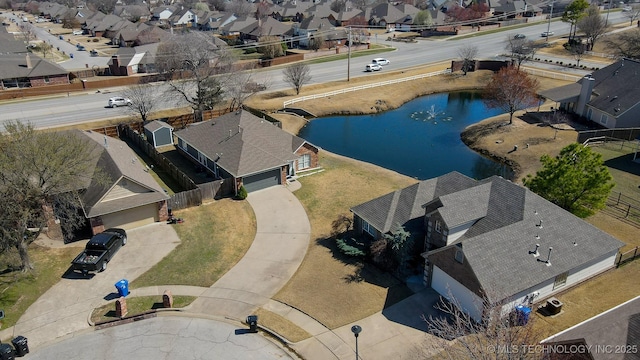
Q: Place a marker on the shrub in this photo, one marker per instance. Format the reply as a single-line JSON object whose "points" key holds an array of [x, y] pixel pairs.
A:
{"points": [[350, 250], [95, 40], [242, 193]]}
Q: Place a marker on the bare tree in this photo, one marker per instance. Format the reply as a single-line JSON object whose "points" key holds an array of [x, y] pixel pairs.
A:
{"points": [[27, 32], [144, 99], [338, 5], [316, 42], [511, 90], [69, 21], [297, 75], [241, 87], [592, 25], [468, 54], [496, 336], [271, 47], [41, 174], [196, 56], [577, 50], [520, 49], [633, 14], [45, 48], [626, 44]]}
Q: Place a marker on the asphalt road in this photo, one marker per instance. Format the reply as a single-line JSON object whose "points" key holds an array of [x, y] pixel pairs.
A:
{"points": [[90, 107]]}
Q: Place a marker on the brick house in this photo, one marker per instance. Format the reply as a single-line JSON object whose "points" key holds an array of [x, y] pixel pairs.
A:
{"points": [[252, 151], [28, 70]]}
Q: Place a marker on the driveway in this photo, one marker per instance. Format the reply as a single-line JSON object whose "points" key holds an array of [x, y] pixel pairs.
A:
{"points": [[65, 307], [280, 244]]}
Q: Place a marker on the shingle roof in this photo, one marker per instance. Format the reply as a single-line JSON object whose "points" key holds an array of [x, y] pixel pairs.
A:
{"points": [[15, 66], [401, 206], [497, 247], [242, 143], [116, 161], [504, 220], [616, 87]]}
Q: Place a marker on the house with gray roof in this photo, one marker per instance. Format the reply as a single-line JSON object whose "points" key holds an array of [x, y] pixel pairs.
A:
{"points": [[610, 335], [251, 151], [491, 240], [609, 97], [134, 60], [121, 193], [29, 70]]}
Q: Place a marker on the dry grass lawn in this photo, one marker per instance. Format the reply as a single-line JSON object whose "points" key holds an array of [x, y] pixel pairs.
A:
{"points": [[329, 287]]}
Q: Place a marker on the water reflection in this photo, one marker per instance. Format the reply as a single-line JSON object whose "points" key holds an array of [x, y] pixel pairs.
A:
{"points": [[421, 139]]}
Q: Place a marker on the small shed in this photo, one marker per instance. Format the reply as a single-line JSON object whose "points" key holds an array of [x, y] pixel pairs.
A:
{"points": [[159, 133]]}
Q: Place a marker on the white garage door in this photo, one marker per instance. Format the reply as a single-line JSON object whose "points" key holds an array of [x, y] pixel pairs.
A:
{"points": [[131, 218], [449, 288]]}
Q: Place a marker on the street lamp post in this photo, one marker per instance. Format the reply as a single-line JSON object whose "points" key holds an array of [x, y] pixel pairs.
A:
{"points": [[549, 24], [349, 57], [356, 330]]}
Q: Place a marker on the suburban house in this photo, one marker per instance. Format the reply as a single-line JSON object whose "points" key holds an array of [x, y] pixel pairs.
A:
{"points": [[491, 240], [135, 60], [158, 133], [613, 334], [265, 27], [121, 193], [252, 151], [608, 97], [28, 70], [309, 26]]}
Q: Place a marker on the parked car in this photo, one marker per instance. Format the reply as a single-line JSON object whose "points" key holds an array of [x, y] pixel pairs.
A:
{"points": [[373, 67], [80, 47], [547, 34], [99, 251], [119, 101], [519, 36], [380, 61]]}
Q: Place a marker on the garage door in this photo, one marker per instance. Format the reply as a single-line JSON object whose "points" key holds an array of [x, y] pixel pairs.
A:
{"points": [[131, 218], [262, 180], [448, 287]]}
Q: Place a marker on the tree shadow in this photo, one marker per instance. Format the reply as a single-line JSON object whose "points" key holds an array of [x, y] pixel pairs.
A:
{"points": [[624, 163]]}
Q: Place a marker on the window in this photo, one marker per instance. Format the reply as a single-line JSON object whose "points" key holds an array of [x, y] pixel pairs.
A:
{"points": [[590, 114], [603, 119], [459, 256], [304, 161], [561, 280], [46, 79], [438, 226], [366, 227]]}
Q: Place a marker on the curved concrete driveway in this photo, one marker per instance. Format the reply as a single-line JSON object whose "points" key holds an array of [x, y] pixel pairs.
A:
{"points": [[281, 242]]}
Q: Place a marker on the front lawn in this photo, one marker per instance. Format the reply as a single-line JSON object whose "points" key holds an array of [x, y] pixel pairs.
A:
{"points": [[214, 237]]}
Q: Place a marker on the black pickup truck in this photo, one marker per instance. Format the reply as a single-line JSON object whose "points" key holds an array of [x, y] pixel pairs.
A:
{"points": [[99, 251]]}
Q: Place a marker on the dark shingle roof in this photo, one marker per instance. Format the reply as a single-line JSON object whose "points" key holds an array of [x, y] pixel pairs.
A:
{"points": [[15, 66], [497, 246], [242, 143], [617, 87], [398, 207], [501, 228]]}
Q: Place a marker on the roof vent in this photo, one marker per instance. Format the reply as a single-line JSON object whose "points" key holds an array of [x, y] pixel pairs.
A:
{"points": [[539, 225], [548, 261], [535, 252]]}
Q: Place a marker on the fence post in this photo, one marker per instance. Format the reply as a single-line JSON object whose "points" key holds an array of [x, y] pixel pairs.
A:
{"points": [[627, 215], [618, 202], [635, 251]]}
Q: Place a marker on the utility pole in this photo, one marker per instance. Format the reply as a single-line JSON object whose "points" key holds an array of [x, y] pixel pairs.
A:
{"points": [[606, 20], [349, 57], [549, 24]]}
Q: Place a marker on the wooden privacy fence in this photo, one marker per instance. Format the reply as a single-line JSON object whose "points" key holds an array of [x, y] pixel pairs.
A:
{"points": [[627, 256]]}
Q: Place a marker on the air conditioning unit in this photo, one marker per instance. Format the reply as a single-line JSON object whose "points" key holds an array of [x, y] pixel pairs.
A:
{"points": [[554, 306]]}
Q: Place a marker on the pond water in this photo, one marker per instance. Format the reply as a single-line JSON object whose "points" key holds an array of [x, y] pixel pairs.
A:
{"points": [[421, 139]]}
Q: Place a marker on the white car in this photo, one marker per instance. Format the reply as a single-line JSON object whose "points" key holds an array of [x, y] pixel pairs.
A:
{"points": [[373, 67], [78, 32], [380, 61], [547, 34], [118, 101]]}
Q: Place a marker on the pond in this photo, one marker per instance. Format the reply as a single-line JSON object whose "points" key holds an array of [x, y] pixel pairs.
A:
{"points": [[421, 139]]}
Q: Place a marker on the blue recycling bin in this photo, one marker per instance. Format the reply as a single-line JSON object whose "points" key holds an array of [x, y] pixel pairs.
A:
{"points": [[123, 287], [71, 55], [522, 315]]}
